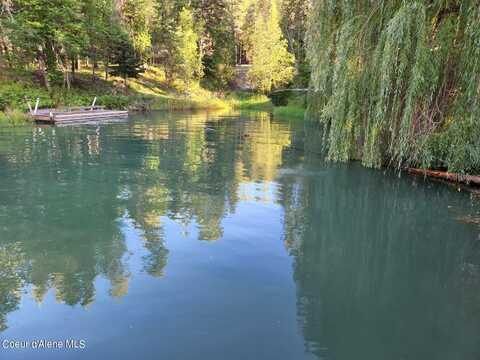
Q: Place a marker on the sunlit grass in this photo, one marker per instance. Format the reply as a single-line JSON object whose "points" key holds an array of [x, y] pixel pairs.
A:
{"points": [[13, 117], [150, 90], [249, 101], [294, 112], [162, 95]]}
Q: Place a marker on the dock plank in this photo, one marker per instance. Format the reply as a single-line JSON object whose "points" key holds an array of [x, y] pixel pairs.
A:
{"points": [[52, 116]]}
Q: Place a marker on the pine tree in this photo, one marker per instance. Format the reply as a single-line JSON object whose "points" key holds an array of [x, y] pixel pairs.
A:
{"points": [[272, 64], [293, 23], [188, 56], [126, 62], [217, 39], [136, 17], [164, 35]]}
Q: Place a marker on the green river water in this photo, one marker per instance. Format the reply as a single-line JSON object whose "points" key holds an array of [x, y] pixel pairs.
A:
{"points": [[215, 236]]}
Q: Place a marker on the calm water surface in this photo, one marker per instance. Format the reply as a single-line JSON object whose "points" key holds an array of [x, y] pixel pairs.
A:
{"points": [[210, 236]]}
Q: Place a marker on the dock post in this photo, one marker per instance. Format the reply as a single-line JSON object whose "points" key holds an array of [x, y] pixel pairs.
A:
{"points": [[93, 103], [36, 106], [29, 106]]}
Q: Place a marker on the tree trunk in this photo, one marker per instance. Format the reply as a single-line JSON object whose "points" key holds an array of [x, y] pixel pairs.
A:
{"points": [[42, 67], [5, 51], [454, 177], [66, 78], [73, 68], [106, 69], [94, 64], [50, 57]]}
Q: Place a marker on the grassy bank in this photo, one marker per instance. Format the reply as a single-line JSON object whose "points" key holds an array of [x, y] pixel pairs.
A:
{"points": [[13, 117], [295, 108], [289, 111], [150, 91]]}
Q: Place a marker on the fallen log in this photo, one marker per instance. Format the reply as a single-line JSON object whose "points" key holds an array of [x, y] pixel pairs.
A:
{"points": [[454, 177]]}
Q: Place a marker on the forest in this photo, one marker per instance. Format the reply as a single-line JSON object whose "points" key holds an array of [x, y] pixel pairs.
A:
{"points": [[391, 83], [190, 41]]}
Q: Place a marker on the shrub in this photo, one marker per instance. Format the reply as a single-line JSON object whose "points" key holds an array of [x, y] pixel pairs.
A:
{"points": [[3, 103], [114, 101], [279, 98], [15, 96], [13, 117]]}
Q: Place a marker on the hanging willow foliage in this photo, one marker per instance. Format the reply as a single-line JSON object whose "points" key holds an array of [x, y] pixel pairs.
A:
{"points": [[397, 82]]}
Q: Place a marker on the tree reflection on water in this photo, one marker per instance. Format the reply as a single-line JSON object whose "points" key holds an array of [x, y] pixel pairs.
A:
{"points": [[68, 193], [383, 267]]}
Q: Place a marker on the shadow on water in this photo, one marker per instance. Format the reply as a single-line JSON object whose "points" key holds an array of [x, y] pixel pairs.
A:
{"points": [[383, 269]]}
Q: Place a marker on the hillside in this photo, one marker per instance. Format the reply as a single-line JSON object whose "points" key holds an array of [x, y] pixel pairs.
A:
{"points": [[148, 91]]}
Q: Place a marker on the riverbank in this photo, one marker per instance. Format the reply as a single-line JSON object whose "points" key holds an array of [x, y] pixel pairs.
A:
{"points": [[150, 91], [295, 108]]}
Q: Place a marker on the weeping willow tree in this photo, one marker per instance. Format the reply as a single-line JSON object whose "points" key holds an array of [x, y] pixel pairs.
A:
{"points": [[397, 82]]}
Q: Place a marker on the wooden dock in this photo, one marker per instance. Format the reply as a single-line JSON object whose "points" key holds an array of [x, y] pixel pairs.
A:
{"points": [[74, 115]]}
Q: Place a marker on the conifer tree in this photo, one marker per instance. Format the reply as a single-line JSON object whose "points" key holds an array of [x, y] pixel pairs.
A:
{"points": [[293, 15], [136, 16], [217, 39], [188, 56], [126, 62], [272, 64]]}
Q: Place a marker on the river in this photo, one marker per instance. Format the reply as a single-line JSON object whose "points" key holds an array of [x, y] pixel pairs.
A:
{"points": [[215, 236]]}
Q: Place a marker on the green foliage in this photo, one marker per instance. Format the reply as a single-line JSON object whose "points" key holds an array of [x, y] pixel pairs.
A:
{"points": [[293, 23], [249, 101], [272, 64], [456, 148], [192, 40], [13, 117], [53, 35], [125, 61], [188, 54], [218, 40], [136, 15], [389, 77], [279, 98], [163, 35], [114, 101], [48, 32], [16, 95], [148, 92], [101, 30], [289, 104], [289, 112]]}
